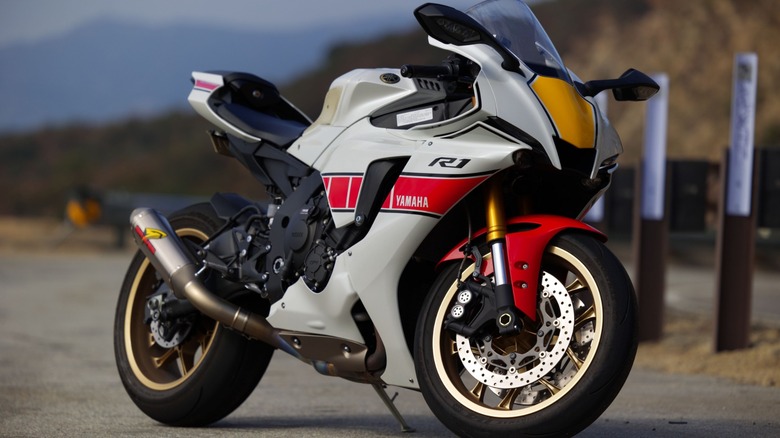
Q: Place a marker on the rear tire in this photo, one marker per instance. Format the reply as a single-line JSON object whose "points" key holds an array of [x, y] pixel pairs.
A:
{"points": [[551, 379], [209, 372]]}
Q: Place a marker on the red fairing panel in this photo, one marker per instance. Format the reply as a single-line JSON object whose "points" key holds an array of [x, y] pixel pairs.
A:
{"points": [[524, 254], [417, 194]]}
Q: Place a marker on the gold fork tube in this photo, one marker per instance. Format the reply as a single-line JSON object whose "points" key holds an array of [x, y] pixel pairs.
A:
{"points": [[506, 313], [494, 206]]}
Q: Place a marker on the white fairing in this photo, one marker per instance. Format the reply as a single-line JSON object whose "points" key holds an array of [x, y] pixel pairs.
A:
{"points": [[350, 98], [608, 143], [371, 276], [523, 109]]}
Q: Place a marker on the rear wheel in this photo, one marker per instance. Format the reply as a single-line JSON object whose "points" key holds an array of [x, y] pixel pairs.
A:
{"points": [[187, 370], [558, 374]]}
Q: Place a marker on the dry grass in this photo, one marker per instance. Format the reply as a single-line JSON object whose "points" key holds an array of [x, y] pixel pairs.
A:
{"points": [[688, 348]]}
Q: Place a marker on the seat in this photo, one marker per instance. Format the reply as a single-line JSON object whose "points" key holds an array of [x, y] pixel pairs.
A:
{"points": [[281, 132], [255, 106]]}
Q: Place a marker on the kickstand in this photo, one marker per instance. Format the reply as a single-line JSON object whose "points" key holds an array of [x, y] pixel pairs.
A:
{"points": [[393, 410]]}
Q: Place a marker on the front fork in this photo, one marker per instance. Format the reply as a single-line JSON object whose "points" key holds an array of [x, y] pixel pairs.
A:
{"points": [[507, 318]]}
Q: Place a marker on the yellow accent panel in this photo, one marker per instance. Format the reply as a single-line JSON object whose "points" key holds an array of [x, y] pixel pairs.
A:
{"points": [[573, 116]]}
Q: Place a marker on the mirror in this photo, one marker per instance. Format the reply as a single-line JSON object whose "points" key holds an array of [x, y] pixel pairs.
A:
{"points": [[452, 26], [633, 85]]}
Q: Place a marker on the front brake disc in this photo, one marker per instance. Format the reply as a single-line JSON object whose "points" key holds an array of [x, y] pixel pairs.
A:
{"points": [[500, 369]]}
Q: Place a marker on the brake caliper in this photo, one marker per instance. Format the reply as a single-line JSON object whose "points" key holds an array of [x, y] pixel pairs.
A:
{"points": [[170, 319], [475, 304]]}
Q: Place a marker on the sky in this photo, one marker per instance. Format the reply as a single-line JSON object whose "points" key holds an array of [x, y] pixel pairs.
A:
{"points": [[30, 20]]}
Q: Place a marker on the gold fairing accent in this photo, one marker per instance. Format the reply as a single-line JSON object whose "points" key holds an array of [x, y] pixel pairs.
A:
{"points": [[573, 116]]}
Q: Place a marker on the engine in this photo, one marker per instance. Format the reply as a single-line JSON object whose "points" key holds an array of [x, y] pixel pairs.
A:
{"points": [[308, 250], [266, 254]]}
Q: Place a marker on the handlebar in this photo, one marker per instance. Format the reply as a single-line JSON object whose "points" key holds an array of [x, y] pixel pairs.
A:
{"points": [[426, 71]]}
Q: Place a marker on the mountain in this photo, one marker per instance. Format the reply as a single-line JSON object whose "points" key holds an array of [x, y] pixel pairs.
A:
{"points": [[109, 69]]}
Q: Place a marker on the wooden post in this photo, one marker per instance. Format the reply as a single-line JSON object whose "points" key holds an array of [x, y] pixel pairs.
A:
{"points": [[651, 225], [737, 230]]}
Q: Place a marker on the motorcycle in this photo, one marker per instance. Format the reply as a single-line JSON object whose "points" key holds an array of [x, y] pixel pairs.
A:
{"points": [[424, 232]]}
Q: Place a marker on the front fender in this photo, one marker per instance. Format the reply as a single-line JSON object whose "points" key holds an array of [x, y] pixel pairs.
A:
{"points": [[524, 248]]}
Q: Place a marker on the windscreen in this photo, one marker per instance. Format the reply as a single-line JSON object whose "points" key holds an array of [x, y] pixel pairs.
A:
{"points": [[515, 27]]}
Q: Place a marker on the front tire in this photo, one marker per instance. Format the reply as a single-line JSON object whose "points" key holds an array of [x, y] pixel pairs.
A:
{"points": [[202, 373], [556, 376]]}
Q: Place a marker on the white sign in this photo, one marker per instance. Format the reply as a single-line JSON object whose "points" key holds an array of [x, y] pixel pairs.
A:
{"points": [[743, 112], [654, 154]]}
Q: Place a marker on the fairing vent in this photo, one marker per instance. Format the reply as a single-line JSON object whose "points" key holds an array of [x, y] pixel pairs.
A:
{"points": [[427, 84]]}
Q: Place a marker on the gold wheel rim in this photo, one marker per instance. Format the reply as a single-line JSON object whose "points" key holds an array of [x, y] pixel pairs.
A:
{"points": [[472, 397], [156, 367]]}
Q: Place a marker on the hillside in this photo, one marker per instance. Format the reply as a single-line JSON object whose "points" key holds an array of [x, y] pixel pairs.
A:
{"points": [[169, 154], [693, 41]]}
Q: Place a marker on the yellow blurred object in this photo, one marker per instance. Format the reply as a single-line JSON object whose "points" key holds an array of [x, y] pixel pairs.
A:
{"points": [[82, 212]]}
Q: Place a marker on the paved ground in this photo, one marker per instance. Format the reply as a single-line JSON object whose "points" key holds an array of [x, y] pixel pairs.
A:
{"points": [[58, 378]]}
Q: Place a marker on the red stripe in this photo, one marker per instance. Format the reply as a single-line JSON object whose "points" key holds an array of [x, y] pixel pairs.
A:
{"points": [[338, 192], [146, 241], [354, 189], [205, 85]]}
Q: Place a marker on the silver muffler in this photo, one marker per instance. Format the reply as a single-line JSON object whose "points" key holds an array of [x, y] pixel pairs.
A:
{"points": [[167, 253]]}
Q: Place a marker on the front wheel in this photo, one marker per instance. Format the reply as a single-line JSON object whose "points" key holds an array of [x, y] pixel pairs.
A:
{"points": [[558, 374]]}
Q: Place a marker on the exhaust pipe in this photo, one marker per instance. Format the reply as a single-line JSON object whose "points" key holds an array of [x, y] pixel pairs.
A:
{"points": [[158, 241]]}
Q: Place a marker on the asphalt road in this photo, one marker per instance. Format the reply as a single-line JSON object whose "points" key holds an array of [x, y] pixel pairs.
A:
{"points": [[58, 378]]}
